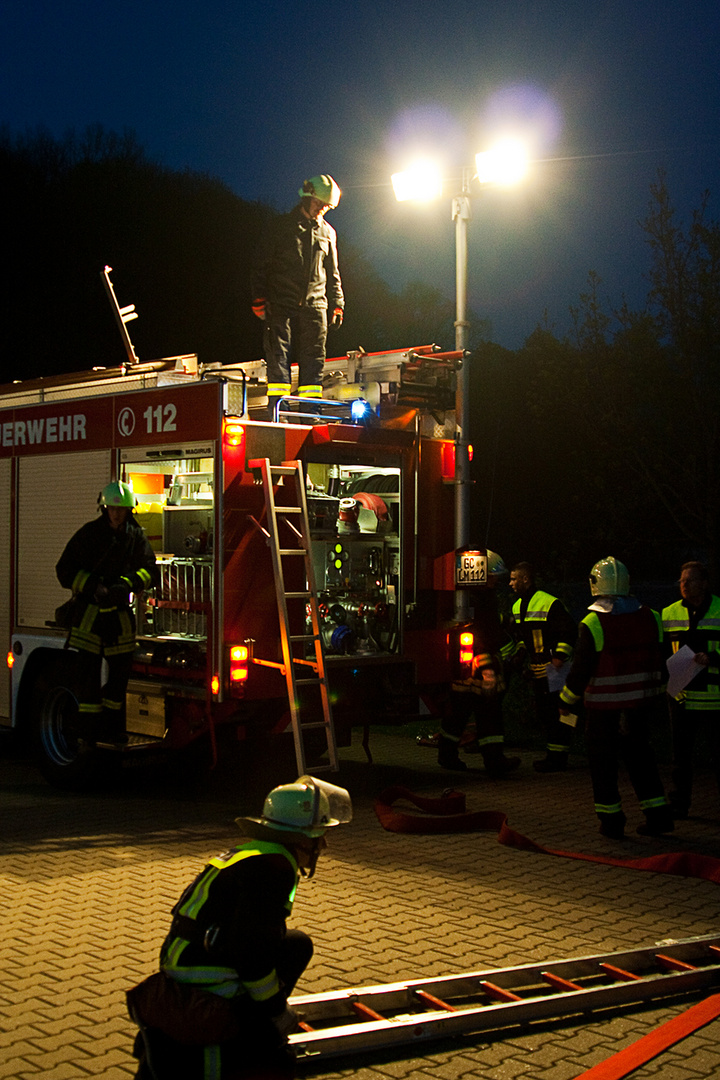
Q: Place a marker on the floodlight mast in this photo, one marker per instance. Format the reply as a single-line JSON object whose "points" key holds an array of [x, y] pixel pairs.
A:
{"points": [[461, 216]]}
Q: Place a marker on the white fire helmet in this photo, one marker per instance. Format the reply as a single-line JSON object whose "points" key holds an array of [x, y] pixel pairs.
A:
{"points": [[323, 188], [609, 577], [117, 493], [309, 806]]}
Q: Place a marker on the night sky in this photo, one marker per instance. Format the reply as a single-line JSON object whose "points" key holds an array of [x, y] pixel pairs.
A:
{"points": [[264, 94]]}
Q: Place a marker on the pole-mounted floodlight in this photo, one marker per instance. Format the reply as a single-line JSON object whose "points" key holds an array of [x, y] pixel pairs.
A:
{"points": [[506, 163]]}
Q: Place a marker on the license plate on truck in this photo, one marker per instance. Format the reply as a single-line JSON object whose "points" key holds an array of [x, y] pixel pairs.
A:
{"points": [[471, 568]]}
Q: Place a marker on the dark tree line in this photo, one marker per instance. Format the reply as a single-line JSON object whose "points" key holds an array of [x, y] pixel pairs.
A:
{"points": [[181, 245], [608, 441]]}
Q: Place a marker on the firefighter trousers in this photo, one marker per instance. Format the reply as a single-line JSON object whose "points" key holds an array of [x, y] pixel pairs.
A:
{"points": [[103, 705], [547, 703], [295, 337], [487, 709], [259, 1052], [615, 735]]}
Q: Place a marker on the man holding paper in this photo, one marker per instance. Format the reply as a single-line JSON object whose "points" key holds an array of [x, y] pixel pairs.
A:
{"points": [[692, 627]]}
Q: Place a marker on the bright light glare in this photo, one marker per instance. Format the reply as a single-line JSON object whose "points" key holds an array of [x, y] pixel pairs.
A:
{"points": [[505, 164], [422, 181]]}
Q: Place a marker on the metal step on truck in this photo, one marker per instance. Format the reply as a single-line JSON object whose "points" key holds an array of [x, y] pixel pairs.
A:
{"points": [[302, 559]]}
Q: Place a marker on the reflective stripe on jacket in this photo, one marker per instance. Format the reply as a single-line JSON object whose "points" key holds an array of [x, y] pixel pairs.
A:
{"points": [[542, 624], [629, 659], [703, 693], [219, 978]]}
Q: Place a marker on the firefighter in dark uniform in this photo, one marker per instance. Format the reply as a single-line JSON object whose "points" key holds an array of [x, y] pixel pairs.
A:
{"points": [[479, 683], [107, 561], [617, 669], [228, 945], [295, 285], [694, 621], [545, 632]]}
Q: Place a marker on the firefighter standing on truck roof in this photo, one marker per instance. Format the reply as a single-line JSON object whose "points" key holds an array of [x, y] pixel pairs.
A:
{"points": [[479, 684], [618, 668], [296, 283], [694, 621], [545, 633], [230, 952], [104, 563]]}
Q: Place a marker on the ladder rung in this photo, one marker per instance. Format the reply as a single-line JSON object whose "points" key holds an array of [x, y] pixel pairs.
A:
{"points": [[282, 470], [558, 983], [292, 551], [319, 681], [298, 595], [288, 509], [498, 994], [670, 963], [304, 637], [365, 1012], [430, 999], [620, 973], [313, 724]]}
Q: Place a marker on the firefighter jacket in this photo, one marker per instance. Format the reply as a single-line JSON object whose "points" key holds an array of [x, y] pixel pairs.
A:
{"points": [[119, 559], [479, 666], [544, 629], [618, 661], [230, 923], [698, 628], [298, 265]]}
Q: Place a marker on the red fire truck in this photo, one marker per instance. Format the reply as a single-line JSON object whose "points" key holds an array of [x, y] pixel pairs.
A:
{"points": [[238, 632]]}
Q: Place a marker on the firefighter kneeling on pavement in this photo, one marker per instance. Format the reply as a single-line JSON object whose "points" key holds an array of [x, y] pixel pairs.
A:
{"points": [[218, 1008]]}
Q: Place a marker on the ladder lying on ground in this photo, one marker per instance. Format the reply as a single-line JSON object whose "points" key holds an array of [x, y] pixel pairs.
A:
{"points": [[374, 1017], [287, 522]]}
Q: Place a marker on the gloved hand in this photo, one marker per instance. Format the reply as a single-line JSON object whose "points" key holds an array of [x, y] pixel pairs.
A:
{"points": [[337, 318], [258, 307], [118, 594], [286, 1022]]}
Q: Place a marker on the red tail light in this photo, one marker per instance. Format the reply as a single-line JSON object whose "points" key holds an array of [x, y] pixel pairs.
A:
{"points": [[466, 647], [238, 663]]}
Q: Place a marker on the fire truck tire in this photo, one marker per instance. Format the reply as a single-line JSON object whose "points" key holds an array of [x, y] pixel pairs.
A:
{"points": [[63, 757]]}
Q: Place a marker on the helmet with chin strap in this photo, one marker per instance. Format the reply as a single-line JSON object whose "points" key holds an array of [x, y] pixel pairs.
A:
{"points": [[309, 807], [323, 188], [298, 815]]}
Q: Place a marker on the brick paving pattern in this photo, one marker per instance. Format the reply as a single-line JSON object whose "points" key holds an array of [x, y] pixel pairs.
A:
{"points": [[88, 881]]}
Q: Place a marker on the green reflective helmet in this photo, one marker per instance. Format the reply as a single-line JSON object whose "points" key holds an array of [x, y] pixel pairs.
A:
{"points": [[308, 806], [117, 493], [609, 577], [323, 188]]}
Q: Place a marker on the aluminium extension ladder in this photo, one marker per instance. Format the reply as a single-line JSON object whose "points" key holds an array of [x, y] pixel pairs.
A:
{"points": [[288, 524], [395, 1014]]}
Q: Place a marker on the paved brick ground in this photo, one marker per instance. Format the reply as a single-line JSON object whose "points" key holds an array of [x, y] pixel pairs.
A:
{"points": [[88, 880]]}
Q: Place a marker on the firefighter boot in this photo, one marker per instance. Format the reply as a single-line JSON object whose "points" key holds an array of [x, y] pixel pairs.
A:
{"points": [[448, 756], [496, 763], [658, 820], [613, 825], [554, 761]]}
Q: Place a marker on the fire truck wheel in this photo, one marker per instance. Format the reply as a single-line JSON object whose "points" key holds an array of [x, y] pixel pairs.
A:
{"points": [[64, 758]]}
